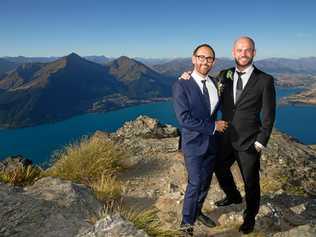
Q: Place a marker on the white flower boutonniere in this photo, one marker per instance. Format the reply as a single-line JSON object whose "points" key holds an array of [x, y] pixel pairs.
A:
{"points": [[229, 75], [220, 87]]}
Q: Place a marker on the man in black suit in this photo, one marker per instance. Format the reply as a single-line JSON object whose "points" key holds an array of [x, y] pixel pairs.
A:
{"points": [[248, 105], [196, 103]]}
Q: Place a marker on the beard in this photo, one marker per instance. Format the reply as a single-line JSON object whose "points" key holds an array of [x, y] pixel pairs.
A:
{"points": [[246, 64], [203, 70]]}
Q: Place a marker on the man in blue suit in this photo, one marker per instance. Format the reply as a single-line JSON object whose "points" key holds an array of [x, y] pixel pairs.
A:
{"points": [[196, 103]]}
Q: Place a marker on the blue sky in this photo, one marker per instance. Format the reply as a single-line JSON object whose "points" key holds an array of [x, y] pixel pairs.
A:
{"points": [[155, 29]]}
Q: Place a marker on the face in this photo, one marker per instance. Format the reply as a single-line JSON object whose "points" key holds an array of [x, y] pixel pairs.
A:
{"points": [[243, 52], [203, 60]]}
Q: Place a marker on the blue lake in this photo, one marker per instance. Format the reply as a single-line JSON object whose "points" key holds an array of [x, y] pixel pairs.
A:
{"points": [[39, 142]]}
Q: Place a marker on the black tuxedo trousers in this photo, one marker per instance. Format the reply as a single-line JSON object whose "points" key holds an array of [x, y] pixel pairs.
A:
{"points": [[249, 165]]}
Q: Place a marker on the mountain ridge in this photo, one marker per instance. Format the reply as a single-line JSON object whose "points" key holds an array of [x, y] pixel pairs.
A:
{"points": [[42, 92]]}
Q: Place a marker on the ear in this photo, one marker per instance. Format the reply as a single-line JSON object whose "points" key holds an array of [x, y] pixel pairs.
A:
{"points": [[254, 52], [193, 60], [213, 63]]}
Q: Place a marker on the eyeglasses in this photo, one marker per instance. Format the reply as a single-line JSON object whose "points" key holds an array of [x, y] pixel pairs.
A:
{"points": [[202, 58]]}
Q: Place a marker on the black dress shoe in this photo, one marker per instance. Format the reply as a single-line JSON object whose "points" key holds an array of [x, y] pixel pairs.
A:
{"points": [[227, 201], [205, 220], [186, 230], [248, 225]]}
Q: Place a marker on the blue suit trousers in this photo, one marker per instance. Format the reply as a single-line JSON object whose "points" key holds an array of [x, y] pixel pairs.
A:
{"points": [[200, 171]]}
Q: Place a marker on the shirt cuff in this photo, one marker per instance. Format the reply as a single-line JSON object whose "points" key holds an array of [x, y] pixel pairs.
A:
{"points": [[258, 144]]}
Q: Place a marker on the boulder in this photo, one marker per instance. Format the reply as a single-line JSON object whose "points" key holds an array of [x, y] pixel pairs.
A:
{"points": [[51, 207]]}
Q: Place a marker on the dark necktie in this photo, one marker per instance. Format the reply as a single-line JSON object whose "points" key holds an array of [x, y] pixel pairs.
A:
{"points": [[239, 85], [206, 95]]}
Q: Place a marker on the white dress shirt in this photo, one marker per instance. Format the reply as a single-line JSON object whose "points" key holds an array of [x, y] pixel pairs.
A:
{"points": [[212, 90], [245, 78]]}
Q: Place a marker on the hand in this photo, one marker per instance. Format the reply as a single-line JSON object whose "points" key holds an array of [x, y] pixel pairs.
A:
{"points": [[258, 148], [221, 126], [185, 76]]}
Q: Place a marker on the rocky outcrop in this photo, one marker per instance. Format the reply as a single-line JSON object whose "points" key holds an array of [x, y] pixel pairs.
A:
{"points": [[156, 177], [50, 207], [146, 127]]}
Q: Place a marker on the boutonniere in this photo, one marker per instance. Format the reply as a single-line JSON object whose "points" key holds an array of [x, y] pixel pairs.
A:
{"points": [[229, 75], [220, 87]]}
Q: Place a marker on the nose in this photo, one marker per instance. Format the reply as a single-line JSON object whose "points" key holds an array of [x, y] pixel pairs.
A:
{"points": [[242, 52]]}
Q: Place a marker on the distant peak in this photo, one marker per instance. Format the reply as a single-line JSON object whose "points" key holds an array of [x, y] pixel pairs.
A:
{"points": [[124, 58], [73, 55], [73, 58]]}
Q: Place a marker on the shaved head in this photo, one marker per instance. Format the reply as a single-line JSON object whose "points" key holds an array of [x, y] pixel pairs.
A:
{"points": [[245, 38]]}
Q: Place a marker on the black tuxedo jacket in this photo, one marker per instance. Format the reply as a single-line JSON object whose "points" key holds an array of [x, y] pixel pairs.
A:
{"points": [[252, 117]]}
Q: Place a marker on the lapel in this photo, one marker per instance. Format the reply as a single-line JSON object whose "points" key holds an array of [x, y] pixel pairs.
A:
{"points": [[215, 81], [229, 86], [251, 82], [199, 92]]}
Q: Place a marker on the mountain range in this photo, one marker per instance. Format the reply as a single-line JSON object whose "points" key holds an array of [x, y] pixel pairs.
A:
{"points": [[34, 93], [174, 67], [6, 66], [38, 90]]}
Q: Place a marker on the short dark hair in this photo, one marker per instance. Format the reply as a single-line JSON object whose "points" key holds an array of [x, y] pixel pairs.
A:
{"points": [[201, 46]]}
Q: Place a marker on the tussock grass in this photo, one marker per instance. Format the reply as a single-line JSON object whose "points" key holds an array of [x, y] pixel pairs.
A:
{"points": [[106, 188], [21, 176], [273, 184], [93, 162], [270, 185], [145, 219], [87, 161]]}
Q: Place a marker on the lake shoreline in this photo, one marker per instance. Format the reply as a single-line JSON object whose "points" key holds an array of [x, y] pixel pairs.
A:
{"points": [[127, 105]]}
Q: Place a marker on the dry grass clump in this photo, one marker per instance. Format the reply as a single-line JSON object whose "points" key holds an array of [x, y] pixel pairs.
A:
{"points": [[107, 188], [93, 162], [273, 184], [87, 161], [145, 219], [21, 176]]}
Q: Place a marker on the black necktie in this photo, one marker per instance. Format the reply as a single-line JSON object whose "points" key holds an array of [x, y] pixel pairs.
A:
{"points": [[239, 85], [206, 95]]}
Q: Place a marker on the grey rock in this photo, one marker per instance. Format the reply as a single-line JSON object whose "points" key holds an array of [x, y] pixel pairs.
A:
{"points": [[51, 207], [146, 127], [308, 230], [113, 226]]}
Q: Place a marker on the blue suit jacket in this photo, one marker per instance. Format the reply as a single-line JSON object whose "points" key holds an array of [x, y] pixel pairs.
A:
{"points": [[194, 117]]}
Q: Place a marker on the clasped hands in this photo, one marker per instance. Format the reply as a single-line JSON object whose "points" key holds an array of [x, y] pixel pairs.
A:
{"points": [[221, 125]]}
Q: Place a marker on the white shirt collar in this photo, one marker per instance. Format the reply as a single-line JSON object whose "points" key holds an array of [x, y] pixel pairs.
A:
{"points": [[247, 70], [197, 76]]}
